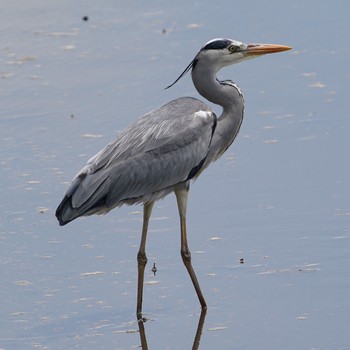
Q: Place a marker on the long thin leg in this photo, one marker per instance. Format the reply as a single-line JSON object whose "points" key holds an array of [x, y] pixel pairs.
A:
{"points": [[141, 256], [181, 196]]}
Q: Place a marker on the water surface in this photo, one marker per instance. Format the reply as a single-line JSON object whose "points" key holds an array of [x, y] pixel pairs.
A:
{"points": [[278, 199]]}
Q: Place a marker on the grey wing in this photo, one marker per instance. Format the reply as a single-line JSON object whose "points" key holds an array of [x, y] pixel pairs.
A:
{"points": [[150, 131], [161, 149]]}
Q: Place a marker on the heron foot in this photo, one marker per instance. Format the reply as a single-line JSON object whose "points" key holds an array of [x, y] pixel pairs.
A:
{"points": [[140, 318]]}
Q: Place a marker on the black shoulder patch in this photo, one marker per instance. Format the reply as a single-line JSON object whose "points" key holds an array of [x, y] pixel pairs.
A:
{"points": [[218, 44], [196, 168]]}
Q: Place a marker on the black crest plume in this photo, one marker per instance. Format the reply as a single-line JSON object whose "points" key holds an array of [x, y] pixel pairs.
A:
{"points": [[188, 68]]}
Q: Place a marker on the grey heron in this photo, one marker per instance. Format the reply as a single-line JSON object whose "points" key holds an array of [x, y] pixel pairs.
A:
{"points": [[165, 149]]}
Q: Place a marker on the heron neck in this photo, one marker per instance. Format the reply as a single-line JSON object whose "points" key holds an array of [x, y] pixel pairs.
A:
{"points": [[205, 80], [230, 98]]}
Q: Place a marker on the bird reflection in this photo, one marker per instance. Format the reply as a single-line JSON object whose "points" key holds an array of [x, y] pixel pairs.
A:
{"points": [[141, 322], [154, 269]]}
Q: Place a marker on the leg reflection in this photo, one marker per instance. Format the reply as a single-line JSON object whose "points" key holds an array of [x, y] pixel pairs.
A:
{"points": [[141, 322], [198, 335], [142, 332]]}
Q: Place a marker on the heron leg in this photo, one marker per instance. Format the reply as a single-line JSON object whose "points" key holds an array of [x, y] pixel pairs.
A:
{"points": [[182, 195], [141, 256]]}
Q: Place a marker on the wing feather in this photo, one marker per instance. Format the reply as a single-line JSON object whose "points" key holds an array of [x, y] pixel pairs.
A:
{"points": [[152, 130], [158, 151]]}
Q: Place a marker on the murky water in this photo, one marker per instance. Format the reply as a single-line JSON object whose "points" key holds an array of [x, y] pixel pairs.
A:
{"points": [[278, 199]]}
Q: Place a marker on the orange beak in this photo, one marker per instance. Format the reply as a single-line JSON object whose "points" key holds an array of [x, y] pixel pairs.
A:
{"points": [[262, 49]]}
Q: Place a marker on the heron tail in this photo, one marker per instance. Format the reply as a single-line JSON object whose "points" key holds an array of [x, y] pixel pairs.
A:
{"points": [[85, 196], [65, 212]]}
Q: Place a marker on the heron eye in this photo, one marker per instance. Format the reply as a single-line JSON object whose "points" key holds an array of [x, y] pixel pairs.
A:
{"points": [[232, 48]]}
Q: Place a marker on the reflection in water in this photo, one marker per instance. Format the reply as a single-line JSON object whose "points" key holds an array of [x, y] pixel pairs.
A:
{"points": [[154, 269], [197, 338], [143, 339], [141, 321]]}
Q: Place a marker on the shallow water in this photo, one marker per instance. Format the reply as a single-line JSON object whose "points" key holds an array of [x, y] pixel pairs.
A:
{"points": [[278, 199]]}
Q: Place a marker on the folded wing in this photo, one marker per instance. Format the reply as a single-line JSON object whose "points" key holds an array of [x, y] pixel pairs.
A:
{"points": [[165, 147]]}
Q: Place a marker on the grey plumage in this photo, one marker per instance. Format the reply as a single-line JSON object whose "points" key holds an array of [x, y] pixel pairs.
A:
{"points": [[166, 148], [159, 150], [155, 153]]}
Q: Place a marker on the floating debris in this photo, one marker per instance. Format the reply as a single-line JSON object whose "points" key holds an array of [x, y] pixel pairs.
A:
{"points": [[126, 331], [88, 246], [95, 273], [32, 182], [63, 34], [85, 18], [303, 316], [307, 138], [68, 47], [214, 329], [82, 300], [22, 60], [270, 272], [309, 75], [309, 268], [269, 141], [317, 84], [16, 314], [151, 283], [193, 26], [91, 136], [23, 283], [5, 75], [41, 210]]}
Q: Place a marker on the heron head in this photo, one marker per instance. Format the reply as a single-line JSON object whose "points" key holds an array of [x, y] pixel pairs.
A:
{"points": [[218, 53], [224, 52]]}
